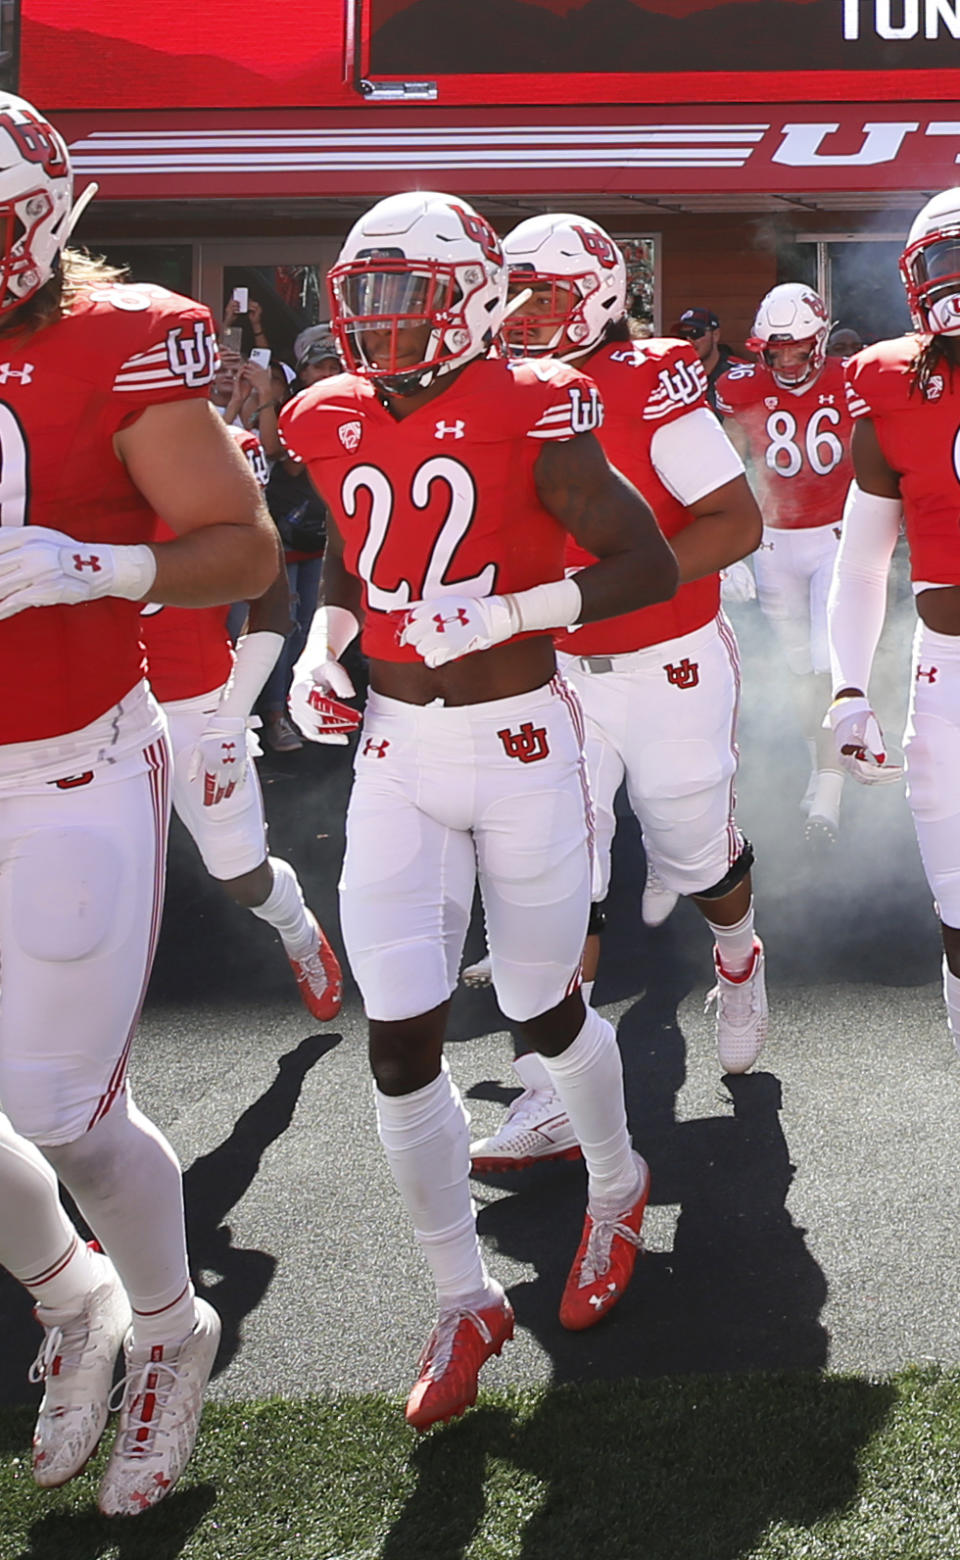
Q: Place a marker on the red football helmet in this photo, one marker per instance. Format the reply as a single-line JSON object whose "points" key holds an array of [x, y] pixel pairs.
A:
{"points": [[930, 265], [419, 288]]}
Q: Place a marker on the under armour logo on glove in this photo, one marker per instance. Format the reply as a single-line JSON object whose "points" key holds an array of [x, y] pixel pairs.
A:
{"points": [[457, 626], [93, 562], [220, 756], [859, 741]]}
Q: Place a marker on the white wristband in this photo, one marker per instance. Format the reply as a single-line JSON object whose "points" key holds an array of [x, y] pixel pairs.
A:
{"points": [[557, 604], [134, 571], [257, 655], [332, 630]]}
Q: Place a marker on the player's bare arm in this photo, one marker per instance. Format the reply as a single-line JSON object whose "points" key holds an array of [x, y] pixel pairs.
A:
{"points": [[183, 461], [270, 612], [608, 517], [726, 527]]}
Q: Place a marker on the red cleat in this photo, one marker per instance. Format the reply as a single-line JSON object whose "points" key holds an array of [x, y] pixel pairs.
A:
{"points": [[604, 1263], [461, 1342], [319, 978]]}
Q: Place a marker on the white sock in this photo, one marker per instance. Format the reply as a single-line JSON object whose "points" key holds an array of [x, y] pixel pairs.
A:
{"points": [[125, 1179], [588, 1076], [734, 943], [586, 988], [38, 1244], [951, 996], [285, 910], [426, 1139], [827, 792], [530, 1070]]}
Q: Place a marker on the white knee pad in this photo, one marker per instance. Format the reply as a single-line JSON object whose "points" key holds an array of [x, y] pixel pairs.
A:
{"points": [[64, 888]]}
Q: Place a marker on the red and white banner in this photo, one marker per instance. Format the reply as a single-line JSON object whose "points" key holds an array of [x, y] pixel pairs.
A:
{"points": [[687, 150]]}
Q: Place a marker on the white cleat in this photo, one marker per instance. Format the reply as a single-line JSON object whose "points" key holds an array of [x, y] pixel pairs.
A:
{"points": [[823, 809], [75, 1364], [741, 1012], [658, 900], [160, 1408], [479, 974], [536, 1130]]}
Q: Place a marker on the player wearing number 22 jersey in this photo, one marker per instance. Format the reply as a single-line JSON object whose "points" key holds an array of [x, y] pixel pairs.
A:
{"points": [[104, 424], [787, 414], [452, 480]]}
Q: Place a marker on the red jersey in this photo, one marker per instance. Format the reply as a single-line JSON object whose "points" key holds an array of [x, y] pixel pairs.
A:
{"points": [[64, 392], [188, 651], [798, 443], [919, 440], [644, 385], [444, 501]]}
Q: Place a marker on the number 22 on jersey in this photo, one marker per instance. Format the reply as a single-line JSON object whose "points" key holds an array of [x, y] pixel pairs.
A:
{"points": [[461, 507]]}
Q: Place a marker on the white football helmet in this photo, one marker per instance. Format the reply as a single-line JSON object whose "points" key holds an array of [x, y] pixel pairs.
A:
{"points": [[791, 315], [36, 200], [930, 265], [587, 275], [419, 260]]}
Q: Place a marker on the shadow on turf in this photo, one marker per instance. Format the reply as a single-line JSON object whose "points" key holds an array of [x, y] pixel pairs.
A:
{"points": [[83, 1534], [213, 1185], [218, 1181], [669, 1470]]}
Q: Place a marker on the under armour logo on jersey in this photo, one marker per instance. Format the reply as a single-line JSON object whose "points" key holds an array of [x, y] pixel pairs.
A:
{"points": [[685, 674], [24, 374], [192, 355], [931, 675], [455, 430], [350, 435], [528, 744], [598, 245], [827, 400], [376, 749], [92, 563], [586, 412], [37, 142]]}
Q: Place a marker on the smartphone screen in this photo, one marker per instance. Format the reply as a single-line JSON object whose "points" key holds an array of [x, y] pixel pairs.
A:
{"points": [[241, 297], [232, 337], [260, 356]]}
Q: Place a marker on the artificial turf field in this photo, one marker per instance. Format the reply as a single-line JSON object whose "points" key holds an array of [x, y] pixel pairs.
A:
{"points": [[798, 1466]]}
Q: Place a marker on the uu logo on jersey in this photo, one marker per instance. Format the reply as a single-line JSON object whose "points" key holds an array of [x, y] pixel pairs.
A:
{"points": [[586, 412], [192, 354]]}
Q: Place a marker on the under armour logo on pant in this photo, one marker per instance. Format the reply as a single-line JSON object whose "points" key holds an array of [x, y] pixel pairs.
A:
{"points": [[377, 749], [931, 675]]}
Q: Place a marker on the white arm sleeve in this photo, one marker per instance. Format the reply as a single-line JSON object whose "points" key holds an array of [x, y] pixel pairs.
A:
{"points": [[857, 602], [693, 456]]}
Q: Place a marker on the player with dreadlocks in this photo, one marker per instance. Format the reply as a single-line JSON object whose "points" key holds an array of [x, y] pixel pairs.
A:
{"points": [[905, 397]]}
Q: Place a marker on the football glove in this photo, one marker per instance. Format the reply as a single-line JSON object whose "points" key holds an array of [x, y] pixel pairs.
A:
{"points": [[859, 741], [449, 627], [221, 756], [320, 717], [44, 568], [737, 583]]}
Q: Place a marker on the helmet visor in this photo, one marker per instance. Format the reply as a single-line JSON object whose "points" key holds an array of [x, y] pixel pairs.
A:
{"points": [[539, 309]]}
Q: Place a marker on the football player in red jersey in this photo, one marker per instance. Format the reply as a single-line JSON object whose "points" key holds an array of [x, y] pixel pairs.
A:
{"points": [[787, 414], [905, 398], [452, 479], [659, 686], [104, 423], [207, 692]]}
